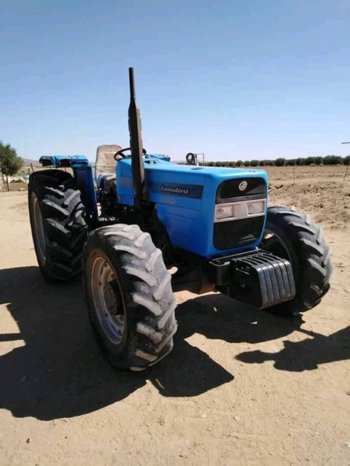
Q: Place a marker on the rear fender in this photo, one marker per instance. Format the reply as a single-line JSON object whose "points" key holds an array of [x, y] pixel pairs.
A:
{"points": [[83, 175]]}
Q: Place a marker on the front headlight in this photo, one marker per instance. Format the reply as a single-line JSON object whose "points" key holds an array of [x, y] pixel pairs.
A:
{"points": [[223, 211], [256, 207]]}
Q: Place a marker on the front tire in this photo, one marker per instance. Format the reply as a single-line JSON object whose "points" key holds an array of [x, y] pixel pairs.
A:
{"points": [[291, 234], [129, 296]]}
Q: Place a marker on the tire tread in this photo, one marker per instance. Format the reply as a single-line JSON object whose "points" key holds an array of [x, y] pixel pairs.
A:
{"points": [[310, 256], [64, 222], [146, 284]]}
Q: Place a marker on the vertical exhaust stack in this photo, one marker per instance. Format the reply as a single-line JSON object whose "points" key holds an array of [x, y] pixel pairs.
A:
{"points": [[136, 146]]}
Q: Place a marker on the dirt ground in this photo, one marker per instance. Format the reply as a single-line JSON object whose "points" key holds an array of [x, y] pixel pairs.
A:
{"points": [[240, 387]]}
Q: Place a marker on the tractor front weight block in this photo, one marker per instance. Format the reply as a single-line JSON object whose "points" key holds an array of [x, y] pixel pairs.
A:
{"points": [[257, 278]]}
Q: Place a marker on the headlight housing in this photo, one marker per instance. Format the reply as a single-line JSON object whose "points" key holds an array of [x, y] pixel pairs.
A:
{"points": [[224, 211], [255, 207], [239, 210]]}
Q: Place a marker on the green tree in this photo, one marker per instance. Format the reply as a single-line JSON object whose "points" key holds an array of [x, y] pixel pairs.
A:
{"points": [[333, 160], [318, 160], [280, 162], [10, 163], [266, 163], [309, 161]]}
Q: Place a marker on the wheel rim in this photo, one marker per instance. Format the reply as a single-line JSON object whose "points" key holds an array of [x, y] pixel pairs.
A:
{"points": [[39, 230], [107, 299]]}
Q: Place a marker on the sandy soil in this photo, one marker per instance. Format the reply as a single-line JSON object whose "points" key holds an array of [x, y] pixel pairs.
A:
{"points": [[241, 386]]}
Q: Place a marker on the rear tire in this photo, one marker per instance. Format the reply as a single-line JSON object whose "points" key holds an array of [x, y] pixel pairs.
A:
{"points": [[129, 296], [57, 218], [291, 234]]}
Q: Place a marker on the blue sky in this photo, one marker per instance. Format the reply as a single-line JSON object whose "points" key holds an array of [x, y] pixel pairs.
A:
{"points": [[232, 79]]}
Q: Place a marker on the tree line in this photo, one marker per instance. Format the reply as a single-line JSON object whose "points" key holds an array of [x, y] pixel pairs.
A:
{"points": [[283, 162]]}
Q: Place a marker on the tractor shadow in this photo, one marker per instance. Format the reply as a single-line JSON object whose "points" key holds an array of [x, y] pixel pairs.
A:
{"points": [[307, 354], [51, 366], [236, 323]]}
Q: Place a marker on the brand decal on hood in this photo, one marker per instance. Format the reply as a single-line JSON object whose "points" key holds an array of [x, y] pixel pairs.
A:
{"points": [[186, 190]]}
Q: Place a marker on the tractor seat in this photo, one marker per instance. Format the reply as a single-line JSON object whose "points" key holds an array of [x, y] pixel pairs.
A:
{"points": [[105, 163]]}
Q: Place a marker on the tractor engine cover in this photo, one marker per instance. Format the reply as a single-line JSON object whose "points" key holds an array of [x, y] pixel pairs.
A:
{"points": [[208, 211]]}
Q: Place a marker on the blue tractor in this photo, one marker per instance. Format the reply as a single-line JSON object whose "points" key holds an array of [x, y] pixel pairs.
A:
{"points": [[146, 227]]}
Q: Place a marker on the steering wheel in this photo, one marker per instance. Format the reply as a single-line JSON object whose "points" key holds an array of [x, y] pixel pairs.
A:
{"points": [[120, 154], [191, 158]]}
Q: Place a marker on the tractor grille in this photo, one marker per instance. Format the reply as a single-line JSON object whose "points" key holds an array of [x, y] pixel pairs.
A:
{"points": [[230, 191], [237, 233], [243, 228]]}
